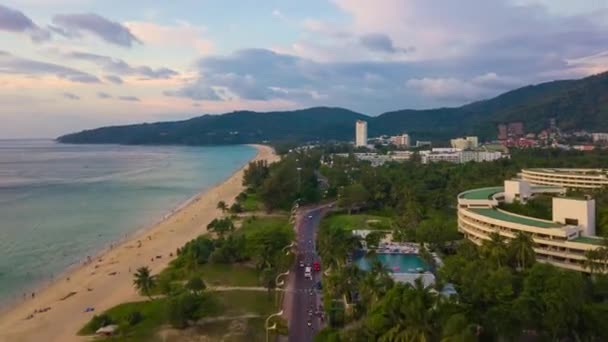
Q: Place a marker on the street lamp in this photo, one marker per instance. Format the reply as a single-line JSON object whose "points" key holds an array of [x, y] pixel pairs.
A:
{"points": [[279, 284], [288, 247], [274, 326], [299, 179]]}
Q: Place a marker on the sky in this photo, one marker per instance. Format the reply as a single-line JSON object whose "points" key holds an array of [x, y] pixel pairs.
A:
{"points": [[68, 65]]}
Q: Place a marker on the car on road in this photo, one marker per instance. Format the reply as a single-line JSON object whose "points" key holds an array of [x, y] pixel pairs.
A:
{"points": [[301, 263], [307, 273], [309, 216], [316, 266]]}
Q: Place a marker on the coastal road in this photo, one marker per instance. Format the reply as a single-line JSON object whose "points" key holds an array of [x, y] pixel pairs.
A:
{"points": [[303, 295]]}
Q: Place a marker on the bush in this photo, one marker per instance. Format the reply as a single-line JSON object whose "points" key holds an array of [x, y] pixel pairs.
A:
{"points": [[196, 285], [134, 317], [183, 308], [236, 208]]}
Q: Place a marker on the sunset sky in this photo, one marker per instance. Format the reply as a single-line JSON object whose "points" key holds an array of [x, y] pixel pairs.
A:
{"points": [[67, 65]]}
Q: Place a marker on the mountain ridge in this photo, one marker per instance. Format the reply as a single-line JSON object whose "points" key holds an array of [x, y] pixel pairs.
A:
{"points": [[576, 104]]}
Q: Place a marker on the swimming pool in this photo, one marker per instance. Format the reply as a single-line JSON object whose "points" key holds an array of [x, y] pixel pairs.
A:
{"points": [[398, 263]]}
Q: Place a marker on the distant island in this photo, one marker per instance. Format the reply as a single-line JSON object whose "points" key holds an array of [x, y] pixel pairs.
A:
{"points": [[574, 104]]}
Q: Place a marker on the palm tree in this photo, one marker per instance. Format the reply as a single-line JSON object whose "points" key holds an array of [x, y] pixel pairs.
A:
{"points": [[221, 205], [144, 281], [597, 260], [413, 318], [458, 329], [522, 248], [495, 249]]}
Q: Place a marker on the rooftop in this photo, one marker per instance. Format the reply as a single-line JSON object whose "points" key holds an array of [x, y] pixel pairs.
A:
{"points": [[505, 216], [482, 193]]}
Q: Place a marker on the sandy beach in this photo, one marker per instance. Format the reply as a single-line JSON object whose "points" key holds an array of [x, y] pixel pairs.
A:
{"points": [[108, 279]]}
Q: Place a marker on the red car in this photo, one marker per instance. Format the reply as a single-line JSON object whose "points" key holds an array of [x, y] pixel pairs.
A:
{"points": [[316, 266]]}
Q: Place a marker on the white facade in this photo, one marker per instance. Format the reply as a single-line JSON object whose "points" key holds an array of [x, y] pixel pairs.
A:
{"points": [[599, 137], [576, 212], [361, 133], [517, 190], [481, 156], [473, 141]]}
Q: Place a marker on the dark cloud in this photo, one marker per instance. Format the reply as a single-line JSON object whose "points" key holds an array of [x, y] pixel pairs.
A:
{"points": [[129, 98], [10, 64], [118, 66], [103, 95], [113, 79], [198, 91], [71, 25], [71, 96], [12, 20], [380, 42]]}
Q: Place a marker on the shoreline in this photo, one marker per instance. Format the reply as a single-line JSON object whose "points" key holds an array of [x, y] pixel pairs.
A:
{"points": [[13, 324]]}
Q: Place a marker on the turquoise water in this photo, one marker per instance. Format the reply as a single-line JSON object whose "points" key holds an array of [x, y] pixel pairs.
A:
{"points": [[60, 203], [398, 263]]}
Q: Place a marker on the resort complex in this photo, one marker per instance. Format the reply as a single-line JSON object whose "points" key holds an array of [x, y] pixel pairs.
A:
{"points": [[562, 241], [568, 178]]}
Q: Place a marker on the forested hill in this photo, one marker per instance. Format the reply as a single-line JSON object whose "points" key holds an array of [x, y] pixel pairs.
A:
{"points": [[576, 104]]}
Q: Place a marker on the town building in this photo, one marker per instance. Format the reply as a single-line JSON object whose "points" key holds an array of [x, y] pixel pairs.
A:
{"points": [[361, 133], [465, 143], [562, 241], [423, 143], [599, 137], [402, 140]]}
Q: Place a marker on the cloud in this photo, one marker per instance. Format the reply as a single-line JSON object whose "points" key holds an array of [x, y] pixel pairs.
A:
{"points": [[10, 64], [113, 79], [72, 25], [71, 96], [129, 98], [119, 66], [183, 34], [103, 95], [381, 42], [12, 20]]}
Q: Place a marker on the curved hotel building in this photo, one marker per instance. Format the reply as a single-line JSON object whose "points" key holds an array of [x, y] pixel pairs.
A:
{"points": [[568, 178], [562, 241]]}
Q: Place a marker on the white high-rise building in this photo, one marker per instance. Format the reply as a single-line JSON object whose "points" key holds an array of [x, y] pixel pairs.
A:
{"points": [[361, 133]]}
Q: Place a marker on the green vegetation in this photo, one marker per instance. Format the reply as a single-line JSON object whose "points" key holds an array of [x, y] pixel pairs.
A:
{"points": [[537, 207], [229, 275], [358, 221], [152, 315], [502, 294]]}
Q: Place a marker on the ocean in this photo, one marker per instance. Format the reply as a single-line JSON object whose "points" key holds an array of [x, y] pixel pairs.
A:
{"points": [[60, 203]]}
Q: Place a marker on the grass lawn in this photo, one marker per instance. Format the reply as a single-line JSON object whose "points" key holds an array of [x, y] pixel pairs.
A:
{"points": [[358, 221], [224, 304], [235, 303], [252, 203], [251, 224], [153, 315], [236, 330], [229, 275]]}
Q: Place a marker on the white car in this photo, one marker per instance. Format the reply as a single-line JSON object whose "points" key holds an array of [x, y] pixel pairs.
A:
{"points": [[307, 273]]}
